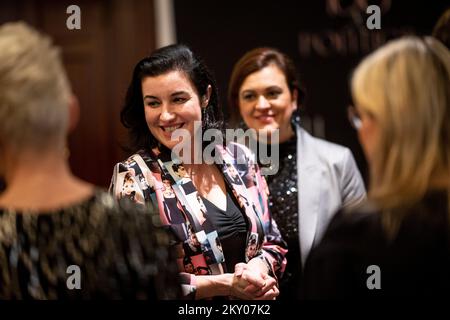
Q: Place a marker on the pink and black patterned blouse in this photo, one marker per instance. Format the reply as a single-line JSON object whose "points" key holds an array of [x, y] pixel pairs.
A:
{"points": [[153, 179]]}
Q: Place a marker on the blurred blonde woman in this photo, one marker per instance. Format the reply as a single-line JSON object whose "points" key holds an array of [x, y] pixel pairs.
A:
{"points": [[397, 244], [60, 237]]}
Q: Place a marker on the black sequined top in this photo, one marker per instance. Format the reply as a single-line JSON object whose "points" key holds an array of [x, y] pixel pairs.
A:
{"points": [[119, 253], [283, 204]]}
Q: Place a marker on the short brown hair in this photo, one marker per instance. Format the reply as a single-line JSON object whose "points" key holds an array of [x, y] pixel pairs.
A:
{"points": [[253, 61]]}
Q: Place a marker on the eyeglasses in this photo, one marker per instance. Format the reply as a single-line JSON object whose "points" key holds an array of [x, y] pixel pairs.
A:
{"points": [[354, 117]]}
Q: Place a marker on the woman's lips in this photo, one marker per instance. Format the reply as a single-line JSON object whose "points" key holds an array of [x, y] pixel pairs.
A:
{"points": [[172, 127], [168, 130], [265, 118]]}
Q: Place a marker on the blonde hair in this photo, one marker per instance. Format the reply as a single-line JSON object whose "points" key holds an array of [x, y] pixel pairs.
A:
{"points": [[405, 87], [34, 90]]}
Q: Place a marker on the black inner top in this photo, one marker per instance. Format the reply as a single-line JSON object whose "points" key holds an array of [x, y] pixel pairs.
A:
{"points": [[231, 226]]}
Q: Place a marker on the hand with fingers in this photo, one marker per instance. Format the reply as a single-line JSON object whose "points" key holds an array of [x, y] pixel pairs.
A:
{"points": [[251, 282]]}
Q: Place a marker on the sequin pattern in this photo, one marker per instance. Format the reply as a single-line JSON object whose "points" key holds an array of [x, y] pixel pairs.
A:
{"points": [[283, 201], [283, 204], [120, 253]]}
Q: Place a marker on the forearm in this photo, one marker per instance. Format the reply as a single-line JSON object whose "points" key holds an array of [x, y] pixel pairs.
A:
{"points": [[213, 285]]}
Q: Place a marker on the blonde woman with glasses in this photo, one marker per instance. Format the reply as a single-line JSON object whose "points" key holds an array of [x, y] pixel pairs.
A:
{"points": [[397, 244]]}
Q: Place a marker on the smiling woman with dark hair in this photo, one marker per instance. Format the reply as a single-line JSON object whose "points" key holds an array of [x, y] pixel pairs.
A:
{"points": [[173, 90], [50, 220], [161, 61]]}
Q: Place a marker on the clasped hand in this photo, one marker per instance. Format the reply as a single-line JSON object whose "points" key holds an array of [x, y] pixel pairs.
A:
{"points": [[251, 282]]}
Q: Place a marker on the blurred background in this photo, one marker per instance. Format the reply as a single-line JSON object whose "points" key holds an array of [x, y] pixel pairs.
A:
{"points": [[325, 38]]}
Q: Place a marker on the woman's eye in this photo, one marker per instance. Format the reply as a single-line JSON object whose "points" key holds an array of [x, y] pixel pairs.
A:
{"points": [[248, 96], [152, 104], [273, 94], [180, 100]]}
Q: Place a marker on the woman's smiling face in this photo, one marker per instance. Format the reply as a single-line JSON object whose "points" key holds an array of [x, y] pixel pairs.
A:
{"points": [[170, 102], [266, 103]]}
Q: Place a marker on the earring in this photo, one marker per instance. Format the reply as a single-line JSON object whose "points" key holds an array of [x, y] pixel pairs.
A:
{"points": [[204, 114], [295, 120], [242, 125], [66, 152]]}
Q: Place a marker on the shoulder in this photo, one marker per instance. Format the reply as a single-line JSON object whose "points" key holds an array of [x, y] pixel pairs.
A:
{"points": [[138, 159], [361, 221], [335, 160], [427, 221], [323, 149], [115, 217], [238, 149], [337, 267], [139, 166], [239, 153], [356, 239], [103, 207], [428, 218], [118, 232], [104, 200], [349, 240]]}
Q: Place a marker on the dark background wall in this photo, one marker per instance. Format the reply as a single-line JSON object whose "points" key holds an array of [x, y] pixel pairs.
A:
{"points": [[99, 59], [326, 39]]}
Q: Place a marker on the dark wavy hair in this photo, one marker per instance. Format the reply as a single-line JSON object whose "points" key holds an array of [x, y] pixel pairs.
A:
{"points": [[253, 61], [166, 59]]}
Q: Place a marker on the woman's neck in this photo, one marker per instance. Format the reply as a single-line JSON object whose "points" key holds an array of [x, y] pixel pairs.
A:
{"points": [[283, 135], [286, 134], [44, 181]]}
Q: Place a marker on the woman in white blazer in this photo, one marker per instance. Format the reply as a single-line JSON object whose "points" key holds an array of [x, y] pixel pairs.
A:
{"points": [[315, 178]]}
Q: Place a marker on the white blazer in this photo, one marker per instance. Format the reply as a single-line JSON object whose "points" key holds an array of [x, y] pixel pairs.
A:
{"points": [[328, 179]]}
